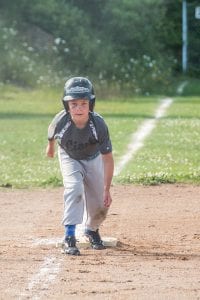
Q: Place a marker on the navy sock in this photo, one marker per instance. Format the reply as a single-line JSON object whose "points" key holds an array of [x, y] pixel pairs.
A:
{"points": [[70, 230]]}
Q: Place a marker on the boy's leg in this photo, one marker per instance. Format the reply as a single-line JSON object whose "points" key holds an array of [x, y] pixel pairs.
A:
{"points": [[72, 174], [73, 199], [94, 188]]}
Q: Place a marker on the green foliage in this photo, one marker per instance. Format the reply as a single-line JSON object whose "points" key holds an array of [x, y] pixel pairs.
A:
{"points": [[139, 62], [52, 181], [192, 87], [123, 44], [135, 25], [172, 38], [147, 179], [24, 64], [171, 31], [193, 39]]}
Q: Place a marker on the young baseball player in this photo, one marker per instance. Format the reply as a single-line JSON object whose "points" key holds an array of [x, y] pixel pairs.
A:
{"points": [[86, 162]]}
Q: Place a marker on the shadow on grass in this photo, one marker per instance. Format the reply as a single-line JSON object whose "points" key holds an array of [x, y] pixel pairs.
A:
{"points": [[25, 115], [28, 116], [142, 116]]}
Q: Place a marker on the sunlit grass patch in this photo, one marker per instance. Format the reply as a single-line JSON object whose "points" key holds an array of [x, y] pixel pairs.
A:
{"points": [[171, 153], [123, 117]]}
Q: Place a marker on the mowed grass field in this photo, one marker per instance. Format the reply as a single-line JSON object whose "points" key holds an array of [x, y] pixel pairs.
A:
{"points": [[171, 153]]}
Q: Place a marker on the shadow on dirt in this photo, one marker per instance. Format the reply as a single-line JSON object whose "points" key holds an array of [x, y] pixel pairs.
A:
{"points": [[127, 249]]}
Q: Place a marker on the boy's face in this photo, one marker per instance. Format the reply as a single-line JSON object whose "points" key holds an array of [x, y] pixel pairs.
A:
{"points": [[79, 109]]}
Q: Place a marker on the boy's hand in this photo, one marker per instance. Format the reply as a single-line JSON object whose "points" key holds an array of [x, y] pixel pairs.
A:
{"points": [[50, 150], [107, 199]]}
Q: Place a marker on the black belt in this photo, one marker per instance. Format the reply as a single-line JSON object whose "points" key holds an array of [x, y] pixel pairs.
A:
{"points": [[93, 156]]}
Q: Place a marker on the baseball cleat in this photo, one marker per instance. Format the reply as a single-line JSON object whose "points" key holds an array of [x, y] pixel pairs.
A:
{"points": [[70, 246], [95, 239]]}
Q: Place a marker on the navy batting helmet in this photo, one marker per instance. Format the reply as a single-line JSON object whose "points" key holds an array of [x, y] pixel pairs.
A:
{"points": [[78, 88]]}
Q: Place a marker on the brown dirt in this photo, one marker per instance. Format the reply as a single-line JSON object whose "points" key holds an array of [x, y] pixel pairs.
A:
{"points": [[157, 257]]}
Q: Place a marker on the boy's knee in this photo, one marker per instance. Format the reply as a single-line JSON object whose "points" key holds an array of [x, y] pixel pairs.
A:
{"points": [[75, 190], [101, 213]]}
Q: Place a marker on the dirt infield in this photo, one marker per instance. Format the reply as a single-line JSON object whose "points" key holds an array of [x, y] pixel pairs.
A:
{"points": [[157, 257]]}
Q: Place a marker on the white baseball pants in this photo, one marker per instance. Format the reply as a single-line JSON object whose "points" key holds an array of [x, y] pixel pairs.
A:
{"points": [[83, 187]]}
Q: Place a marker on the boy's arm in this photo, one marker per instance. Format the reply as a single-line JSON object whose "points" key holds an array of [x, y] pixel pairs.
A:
{"points": [[108, 175], [50, 150]]}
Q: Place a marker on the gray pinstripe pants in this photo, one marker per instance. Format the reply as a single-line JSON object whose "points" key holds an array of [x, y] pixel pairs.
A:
{"points": [[83, 187]]}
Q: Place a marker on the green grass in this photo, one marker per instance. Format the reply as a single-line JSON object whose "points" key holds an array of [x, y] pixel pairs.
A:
{"points": [[24, 118], [192, 87], [123, 117], [170, 153]]}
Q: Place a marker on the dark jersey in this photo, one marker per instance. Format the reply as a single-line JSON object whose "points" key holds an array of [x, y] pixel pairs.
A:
{"points": [[82, 143]]}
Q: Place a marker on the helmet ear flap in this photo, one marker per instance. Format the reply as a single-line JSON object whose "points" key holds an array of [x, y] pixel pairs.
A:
{"points": [[66, 106], [91, 105]]}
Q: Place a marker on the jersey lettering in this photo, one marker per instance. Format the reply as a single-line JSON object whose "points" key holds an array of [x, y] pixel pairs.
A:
{"points": [[59, 135]]}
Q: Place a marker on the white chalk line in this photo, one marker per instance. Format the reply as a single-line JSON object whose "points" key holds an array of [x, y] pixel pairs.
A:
{"points": [[57, 241], [40, 281], [46, 241], [181, 87], [138, 137]]}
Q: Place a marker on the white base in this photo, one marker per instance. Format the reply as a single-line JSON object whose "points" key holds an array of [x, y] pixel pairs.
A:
{"points": [[109, 241], [83, 242]]}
